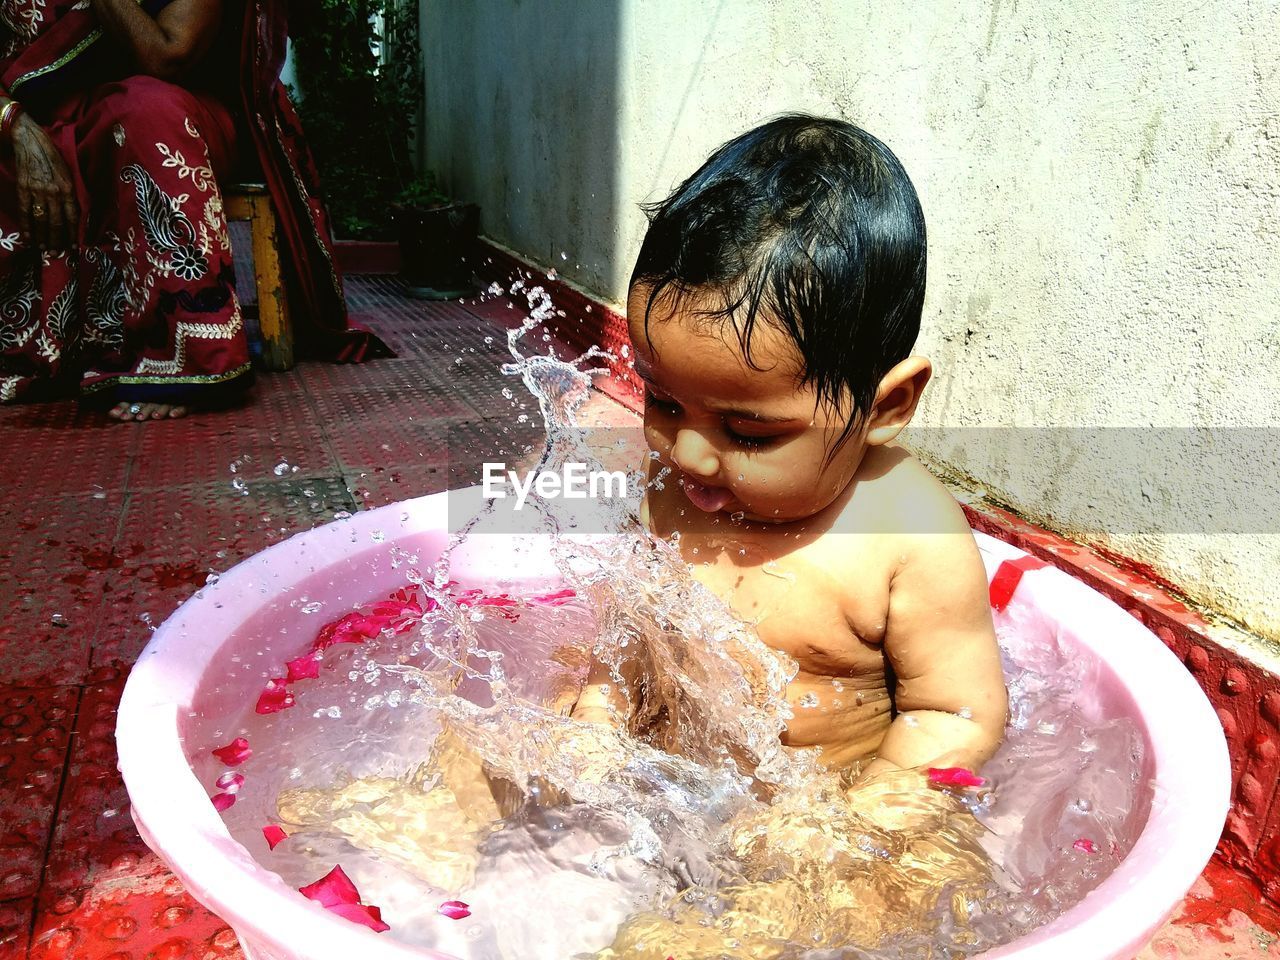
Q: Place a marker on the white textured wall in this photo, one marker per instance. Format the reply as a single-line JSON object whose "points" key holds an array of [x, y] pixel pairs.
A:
{"points": [[1101, 183]]}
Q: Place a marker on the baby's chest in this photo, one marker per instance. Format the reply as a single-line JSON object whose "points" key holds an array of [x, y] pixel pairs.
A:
{"points": [[830, 619]]}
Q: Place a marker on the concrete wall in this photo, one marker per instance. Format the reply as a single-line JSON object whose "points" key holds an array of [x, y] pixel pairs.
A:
{"points": [[1101, 183]]}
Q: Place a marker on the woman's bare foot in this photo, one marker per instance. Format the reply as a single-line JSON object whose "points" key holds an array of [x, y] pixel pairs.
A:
{"points": [[146, 411]]}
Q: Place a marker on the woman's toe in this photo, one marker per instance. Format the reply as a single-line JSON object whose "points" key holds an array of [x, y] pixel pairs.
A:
{"points": [[119, 412], [176, 412]]}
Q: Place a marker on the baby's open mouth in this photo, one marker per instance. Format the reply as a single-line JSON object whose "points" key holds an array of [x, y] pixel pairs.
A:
{"points": [[710, 499]]}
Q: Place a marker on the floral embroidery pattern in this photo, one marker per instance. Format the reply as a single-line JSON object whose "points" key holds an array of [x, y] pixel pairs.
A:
{"points": [[189, 263], [166, 227], [18, 297], [23, 17], [105, 305], [202, 177]]}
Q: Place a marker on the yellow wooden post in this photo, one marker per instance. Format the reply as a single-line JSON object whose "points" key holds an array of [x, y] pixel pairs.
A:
{"points": [[250, 201]]}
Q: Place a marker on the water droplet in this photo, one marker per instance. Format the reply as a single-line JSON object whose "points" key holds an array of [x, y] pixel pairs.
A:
{"points": [[965, 713], [488, 339], [342, 515], [281, 468], [837, 686], [239, 485], [315, 606], [738, 517], [563, 255], [211, 579], [809, 700], [58, 620], [377, 536]]}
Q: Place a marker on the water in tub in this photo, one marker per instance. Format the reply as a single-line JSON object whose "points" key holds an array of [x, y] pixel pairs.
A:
{"points": [[435, 762]]}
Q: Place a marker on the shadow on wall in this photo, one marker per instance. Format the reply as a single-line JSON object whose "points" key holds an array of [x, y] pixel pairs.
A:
{"points": [[522, 108]]}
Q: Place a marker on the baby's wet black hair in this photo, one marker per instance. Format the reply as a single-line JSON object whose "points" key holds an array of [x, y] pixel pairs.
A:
{"points": [[813, 223]]}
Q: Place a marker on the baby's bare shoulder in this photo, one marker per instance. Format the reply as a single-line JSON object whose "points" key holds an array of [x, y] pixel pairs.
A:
{"points": [[894, 494]]}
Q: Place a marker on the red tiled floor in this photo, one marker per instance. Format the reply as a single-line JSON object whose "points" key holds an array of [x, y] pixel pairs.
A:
{"points": [[15, 928], [114, 524], [104, 893], [55, 577], [35, 729]]}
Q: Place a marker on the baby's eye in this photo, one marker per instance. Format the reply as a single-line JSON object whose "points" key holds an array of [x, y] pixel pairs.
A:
{"points": [[663, 404], [747, 442]]}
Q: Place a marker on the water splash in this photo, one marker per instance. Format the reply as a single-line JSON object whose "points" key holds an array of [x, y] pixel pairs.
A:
{"points": [[452, 762]]}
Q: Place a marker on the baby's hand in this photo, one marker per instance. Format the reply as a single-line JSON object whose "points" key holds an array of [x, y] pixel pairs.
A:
{"points": [[691, 863]]}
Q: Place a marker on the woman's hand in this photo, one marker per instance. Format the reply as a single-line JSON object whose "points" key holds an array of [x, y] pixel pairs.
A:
{"points": [[47, 209]]}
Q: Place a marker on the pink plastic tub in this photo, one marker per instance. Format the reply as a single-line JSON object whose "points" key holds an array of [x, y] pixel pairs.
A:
{"points": [[182, 695]]}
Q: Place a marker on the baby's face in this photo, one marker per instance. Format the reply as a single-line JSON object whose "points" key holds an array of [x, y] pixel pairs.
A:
{"points": [[738, 440]]}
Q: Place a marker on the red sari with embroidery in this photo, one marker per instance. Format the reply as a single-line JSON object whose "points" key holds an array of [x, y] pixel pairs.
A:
{"points": [[144, 307]]}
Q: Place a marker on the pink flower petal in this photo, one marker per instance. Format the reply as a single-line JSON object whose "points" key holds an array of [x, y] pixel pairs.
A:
{"points": [[275, 697], [370, 917], [274, 836], [305, 667], [454, 909], [557, 599], [230, 782], [337, 894], [1085, 846], [234, 753], [333, 888], [221, 801], [954, 777]]}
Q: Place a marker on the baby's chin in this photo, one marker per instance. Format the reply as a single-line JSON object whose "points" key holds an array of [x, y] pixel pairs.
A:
{"points": [[773, 514]]}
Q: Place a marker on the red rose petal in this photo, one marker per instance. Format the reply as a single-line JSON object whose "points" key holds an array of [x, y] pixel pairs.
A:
{"points": [[333, 888], [274, 836], [954, 777], [557, 599], [454, 909], [221, 801], [234, 753], [1085, 846], [370, 917], [337, 894], [230, 782], [275, 697], [305, 667]]}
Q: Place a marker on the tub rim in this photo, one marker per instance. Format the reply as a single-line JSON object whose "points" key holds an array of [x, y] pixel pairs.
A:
{"points": [[174, 816]]}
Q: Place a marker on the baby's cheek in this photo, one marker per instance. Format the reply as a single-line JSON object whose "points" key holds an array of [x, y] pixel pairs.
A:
{"points": [[657, 438]]}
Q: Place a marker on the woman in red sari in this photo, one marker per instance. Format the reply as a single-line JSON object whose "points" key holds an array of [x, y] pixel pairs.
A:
{"points": [[118, 120]]}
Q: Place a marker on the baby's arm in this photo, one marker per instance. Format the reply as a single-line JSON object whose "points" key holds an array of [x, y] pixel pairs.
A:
{"points": [[950, 694], [602, 699]]}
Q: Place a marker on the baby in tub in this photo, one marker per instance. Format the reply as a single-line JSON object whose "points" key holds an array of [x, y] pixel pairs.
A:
{"points": [[773, 309]]}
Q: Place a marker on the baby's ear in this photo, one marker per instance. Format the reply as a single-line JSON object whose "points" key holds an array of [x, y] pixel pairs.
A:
{"points": [[896, 399]]}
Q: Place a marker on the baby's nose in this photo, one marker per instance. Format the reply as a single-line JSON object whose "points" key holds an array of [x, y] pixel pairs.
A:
{"points": [[694, 455]]}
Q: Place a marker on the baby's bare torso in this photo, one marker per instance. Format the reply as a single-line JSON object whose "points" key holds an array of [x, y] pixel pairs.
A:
{"points": [[821, 597]]}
